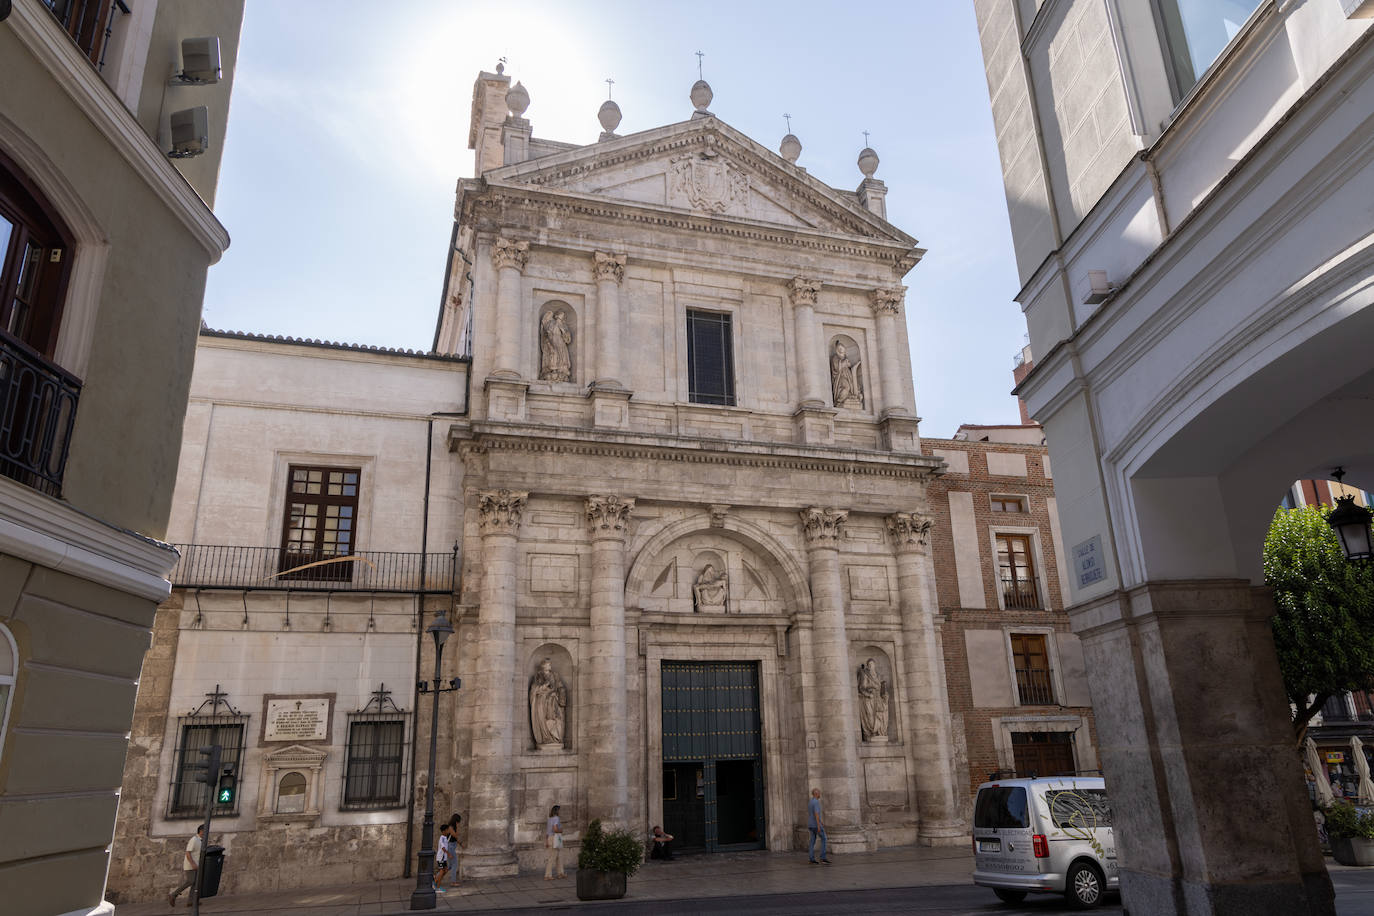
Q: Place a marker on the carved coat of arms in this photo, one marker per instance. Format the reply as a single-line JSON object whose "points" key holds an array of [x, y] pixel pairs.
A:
{"points": [[708, 182]]}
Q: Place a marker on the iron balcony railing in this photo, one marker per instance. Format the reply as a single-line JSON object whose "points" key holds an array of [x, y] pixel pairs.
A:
{"points": [[1020, 594], [272, 568], [90, 23], [1035, 686], [37, 410]]}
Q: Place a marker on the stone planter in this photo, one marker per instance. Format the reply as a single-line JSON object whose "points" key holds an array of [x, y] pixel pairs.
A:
{"points": [[600, 885], [1352, 850]]}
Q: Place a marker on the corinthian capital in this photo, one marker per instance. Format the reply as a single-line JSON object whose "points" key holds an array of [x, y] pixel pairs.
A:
{"points": [[609, 266], [908, 529], [507, 253], [608, 514], [888, 301], [823, 527], [499, 510], [803, 291]]}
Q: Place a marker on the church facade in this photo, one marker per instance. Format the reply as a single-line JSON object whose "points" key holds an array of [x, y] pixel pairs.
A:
{"points": [[661, 472]]}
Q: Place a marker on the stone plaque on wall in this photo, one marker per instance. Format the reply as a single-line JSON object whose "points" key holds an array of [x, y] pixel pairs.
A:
{"points": [[551, 572], [868, 583], [296, 719]]}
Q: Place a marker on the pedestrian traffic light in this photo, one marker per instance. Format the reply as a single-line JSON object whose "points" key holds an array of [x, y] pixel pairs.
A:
{"points": [[227, 783]]}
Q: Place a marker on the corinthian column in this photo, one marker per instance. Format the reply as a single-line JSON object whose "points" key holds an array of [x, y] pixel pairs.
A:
{"points": [[509, 258], [839, 726], [927, 701], [887, 306], [490, 849], [803, 294], [607, 731], [610, 273]]}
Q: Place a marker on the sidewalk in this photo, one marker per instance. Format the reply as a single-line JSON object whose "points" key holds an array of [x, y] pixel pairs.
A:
{"points": [[720, 875]]}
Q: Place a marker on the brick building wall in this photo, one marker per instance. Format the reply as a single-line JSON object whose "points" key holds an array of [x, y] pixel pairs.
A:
{"points": [[977, 627]]}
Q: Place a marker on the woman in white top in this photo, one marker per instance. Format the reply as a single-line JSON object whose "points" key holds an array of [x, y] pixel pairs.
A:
{"points": [[553, 841]]}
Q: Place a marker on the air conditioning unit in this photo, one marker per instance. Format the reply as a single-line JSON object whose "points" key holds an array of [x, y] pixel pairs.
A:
{"points": [[200, 60], [190, 132]]}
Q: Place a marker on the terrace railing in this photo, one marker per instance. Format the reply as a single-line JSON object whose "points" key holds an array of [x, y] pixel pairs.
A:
{"points": [[213, 566]]}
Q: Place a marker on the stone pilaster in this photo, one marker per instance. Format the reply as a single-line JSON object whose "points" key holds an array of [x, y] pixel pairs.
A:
{"points": [[1192, 715], [490, 848], [509, 259], [814, 418], [927, 698], [607, 717], [838, 733], [610, 397], [887, 307]]}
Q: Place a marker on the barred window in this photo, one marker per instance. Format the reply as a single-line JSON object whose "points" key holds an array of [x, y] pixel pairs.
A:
{"points": [[376, 761], [710, 359], [321, 520], [188, 795]]}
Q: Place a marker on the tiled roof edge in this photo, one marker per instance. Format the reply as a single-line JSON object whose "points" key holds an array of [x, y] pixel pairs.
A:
{"points": [[332, 345]]}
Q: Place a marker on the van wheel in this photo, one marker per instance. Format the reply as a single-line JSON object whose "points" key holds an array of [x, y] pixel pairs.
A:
{"points": [[1084, 885], [1009, 896]]}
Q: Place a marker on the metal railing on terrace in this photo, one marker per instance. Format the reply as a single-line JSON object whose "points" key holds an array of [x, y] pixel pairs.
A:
{"points": [[1035, 686], [37, 410], [1020, 594], [211, 566]]}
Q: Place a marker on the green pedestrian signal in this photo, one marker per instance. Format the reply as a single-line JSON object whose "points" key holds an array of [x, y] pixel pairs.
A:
{"points": [[225, 793]]}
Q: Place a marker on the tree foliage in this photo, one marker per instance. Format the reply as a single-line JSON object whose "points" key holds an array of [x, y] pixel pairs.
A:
{"points": [[1324, 628]]}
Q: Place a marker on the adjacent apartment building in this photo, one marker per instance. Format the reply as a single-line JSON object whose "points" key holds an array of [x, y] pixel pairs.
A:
{"points": [[104, 246]]}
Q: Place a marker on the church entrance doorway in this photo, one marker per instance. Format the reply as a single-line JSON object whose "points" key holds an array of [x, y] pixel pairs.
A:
{"points": [[712, 756]]}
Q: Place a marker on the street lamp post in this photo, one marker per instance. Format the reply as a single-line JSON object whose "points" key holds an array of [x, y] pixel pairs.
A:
{"points": [[422, 898]]}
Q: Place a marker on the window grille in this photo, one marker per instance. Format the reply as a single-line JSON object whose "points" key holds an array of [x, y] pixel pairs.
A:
{"points": [[378, 754], [223, 725], [710, 359]]}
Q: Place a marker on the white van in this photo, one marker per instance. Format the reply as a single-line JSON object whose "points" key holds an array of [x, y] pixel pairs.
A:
{"points": [[1045, 836]]}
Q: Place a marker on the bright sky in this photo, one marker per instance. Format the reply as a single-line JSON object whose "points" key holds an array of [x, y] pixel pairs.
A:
{"points": [[349, 129]]}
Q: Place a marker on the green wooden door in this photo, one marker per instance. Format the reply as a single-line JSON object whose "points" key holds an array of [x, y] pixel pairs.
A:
{"points": [[711, 723]]}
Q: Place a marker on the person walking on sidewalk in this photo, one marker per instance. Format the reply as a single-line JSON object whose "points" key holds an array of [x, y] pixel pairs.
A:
{"points": [[816, 824], [553, 841], [190, 868]]}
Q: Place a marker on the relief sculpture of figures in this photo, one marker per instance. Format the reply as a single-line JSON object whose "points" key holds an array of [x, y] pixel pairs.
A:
{"points": [[711, 590], [555, 359], [873, 697], [844, 379], [548, 701]]}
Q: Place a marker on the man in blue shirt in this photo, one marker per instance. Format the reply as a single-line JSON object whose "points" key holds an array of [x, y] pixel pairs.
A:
{"points": [[817, 827]]}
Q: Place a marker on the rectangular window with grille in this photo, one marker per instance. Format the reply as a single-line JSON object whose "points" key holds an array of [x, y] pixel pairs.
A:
{"points": [[376, 766], [188, 795], [321, 521], [710, 359], [1034, 684], [1016, 572]]}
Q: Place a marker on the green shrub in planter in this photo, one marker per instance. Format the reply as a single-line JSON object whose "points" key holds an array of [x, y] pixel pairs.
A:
{"points": [[1344, 821], [614, 851]]}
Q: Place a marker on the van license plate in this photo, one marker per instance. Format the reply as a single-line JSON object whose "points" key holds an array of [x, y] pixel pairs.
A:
{"points": [[989, 845]]}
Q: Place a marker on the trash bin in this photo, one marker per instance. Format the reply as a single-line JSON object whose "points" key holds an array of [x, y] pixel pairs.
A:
{"points": [[214, 866]]}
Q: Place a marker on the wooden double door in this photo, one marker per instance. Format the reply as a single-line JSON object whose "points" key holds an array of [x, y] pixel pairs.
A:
{"points": [[712, 758]]}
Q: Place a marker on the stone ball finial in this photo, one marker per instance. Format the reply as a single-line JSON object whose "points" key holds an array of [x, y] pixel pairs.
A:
{"points": [[517, 99], [791, 148], [868, 162], [609, 116], [701, 95]]}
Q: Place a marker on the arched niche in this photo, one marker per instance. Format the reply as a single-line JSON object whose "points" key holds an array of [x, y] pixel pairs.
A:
{"points": [[847, 370], [558, 341], [881, 704], [538, 694], [764, 576]]}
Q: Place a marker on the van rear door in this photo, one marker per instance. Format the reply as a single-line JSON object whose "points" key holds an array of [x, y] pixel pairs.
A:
{"points": [[1002, 831]]}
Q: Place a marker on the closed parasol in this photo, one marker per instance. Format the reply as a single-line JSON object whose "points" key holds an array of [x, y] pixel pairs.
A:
{"points": [[1362, 767], [1314, 763]]}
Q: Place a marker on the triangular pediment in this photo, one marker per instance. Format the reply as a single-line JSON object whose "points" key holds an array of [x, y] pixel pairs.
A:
{"points": [[703, 167]]}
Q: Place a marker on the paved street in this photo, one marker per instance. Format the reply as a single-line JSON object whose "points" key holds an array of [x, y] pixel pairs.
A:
{"points": [[932, 881]]}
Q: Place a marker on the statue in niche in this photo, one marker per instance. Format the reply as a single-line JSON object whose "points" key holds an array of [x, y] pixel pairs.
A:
{"points": [[873, 697], [845, 382], [555, 338], [548, 703], [712, 590]]}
